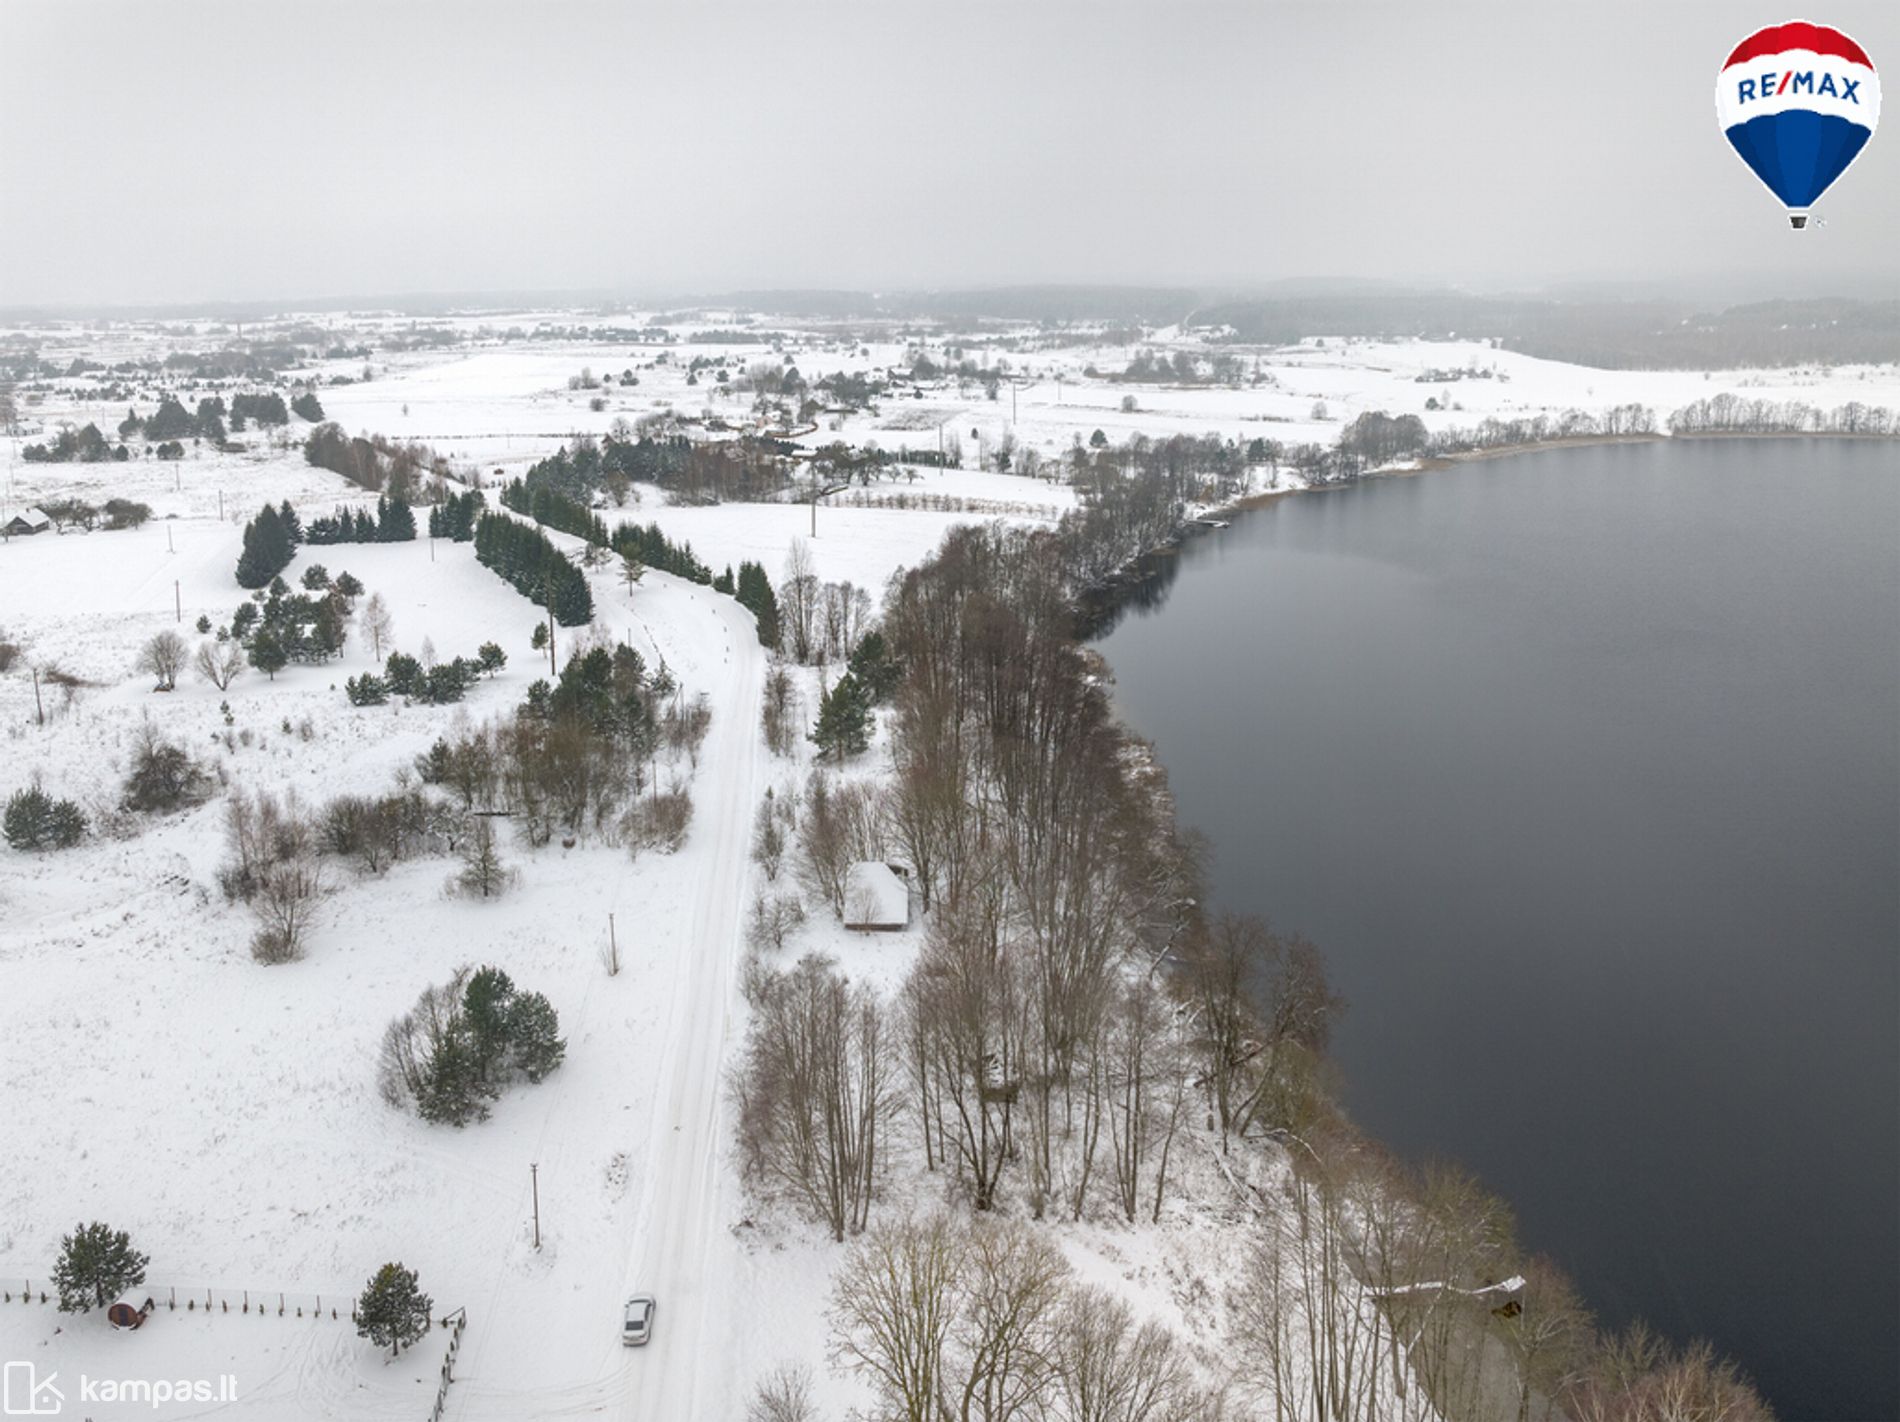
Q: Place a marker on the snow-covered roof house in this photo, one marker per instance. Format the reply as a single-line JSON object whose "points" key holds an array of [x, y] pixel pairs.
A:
{"points": [[875, 897], [25, 522]]}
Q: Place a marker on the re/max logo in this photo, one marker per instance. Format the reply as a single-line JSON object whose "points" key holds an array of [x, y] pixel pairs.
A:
{"points": [[1802, 82]]}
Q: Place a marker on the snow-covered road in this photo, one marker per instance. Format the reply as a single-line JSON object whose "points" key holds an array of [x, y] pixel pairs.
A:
{"points": [[679, 1254]]}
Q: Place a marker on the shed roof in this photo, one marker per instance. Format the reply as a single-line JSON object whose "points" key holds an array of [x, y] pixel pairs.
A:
{"points": [[875, 897]]}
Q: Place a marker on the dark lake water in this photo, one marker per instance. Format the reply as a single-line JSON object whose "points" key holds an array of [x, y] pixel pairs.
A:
{"points": [[1583, 768]]}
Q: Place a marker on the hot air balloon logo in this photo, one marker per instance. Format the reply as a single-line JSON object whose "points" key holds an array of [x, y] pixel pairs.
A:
{"points": [[1798, 102]]}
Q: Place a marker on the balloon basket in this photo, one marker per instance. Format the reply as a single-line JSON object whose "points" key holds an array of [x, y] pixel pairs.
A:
{"points": [[1797, 220]]}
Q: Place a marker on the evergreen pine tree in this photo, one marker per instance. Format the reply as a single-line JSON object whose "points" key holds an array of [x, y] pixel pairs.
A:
{"points": [[454, 1091], [267, 653], [366, 690], [396, 521], [874, 669], [393, 1312], [844, 720], [485, 1008], [35, 820], [96, 1264], [534, 1032], [755, 593], [327, 632]]}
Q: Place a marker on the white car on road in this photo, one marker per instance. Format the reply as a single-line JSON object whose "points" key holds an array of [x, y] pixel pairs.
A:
{"points": [[637, 1324]]}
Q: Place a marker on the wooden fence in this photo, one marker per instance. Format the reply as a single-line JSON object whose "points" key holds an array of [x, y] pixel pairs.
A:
{"points": [[460, 1321], [329, 1308]]}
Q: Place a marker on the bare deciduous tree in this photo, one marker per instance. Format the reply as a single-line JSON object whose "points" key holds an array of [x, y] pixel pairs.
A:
{"points": [[1109, 1368], [798, 604], [284, 904], [892, 1305], [773, 920], [782, 712], [1549, 1334], [483, 875], [261, 832], [768, 839], [164, 657], [220, 663], [816, 1094], [784, 1395], [377, 625]]}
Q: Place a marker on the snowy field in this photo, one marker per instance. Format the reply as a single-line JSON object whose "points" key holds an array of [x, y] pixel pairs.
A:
{"points": [[153, 1075]]}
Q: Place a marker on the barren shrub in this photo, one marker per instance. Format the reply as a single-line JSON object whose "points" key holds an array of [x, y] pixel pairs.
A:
{"points": [[782, 715], [774, 918], [286, 898], [658, 821], [261, 832], [768, 838], [784, 1395], [163, 777]]}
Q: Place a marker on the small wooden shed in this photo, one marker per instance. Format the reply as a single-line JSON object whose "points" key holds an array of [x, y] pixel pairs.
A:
{"points": [[25, 523], [130, 1311], [876, 898]]}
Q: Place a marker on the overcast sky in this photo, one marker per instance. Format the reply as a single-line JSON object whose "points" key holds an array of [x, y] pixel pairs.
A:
{"points": [[186, 151]]}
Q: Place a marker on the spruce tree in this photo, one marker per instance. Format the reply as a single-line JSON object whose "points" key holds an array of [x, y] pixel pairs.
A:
{"points": [[534, 1033], [874, 668], [755, 594], [253, 569], [267, 653], [393, 1311], [396, 521], [485, 1008], [454, 1090], [844, 720], [96, 1264]]}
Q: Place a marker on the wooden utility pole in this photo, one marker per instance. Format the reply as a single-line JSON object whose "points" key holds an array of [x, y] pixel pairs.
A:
{"points": [[39, 708], [178, 606], [534, 1183]]}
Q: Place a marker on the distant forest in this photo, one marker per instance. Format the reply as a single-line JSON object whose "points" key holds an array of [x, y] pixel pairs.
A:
{"points": [[1617, 335], [1609, 334]]}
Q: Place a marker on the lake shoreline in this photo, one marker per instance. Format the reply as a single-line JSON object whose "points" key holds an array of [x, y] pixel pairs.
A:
{"points": [[1615, 1286], [1099, 608]]}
